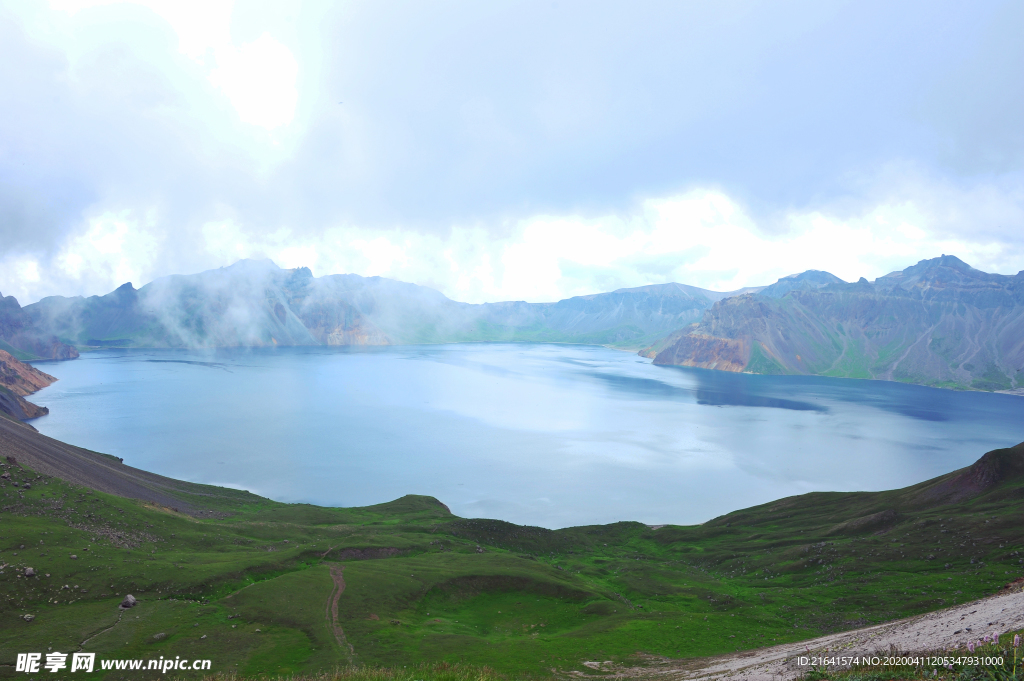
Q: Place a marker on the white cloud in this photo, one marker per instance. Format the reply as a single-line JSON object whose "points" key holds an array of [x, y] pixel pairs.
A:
{"points": [[701, 237], [259, 79], [443, 166], [116, 247]]}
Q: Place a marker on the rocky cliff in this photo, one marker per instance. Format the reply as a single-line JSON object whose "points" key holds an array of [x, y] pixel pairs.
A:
{"points": [[940, 322], [18, 379]]}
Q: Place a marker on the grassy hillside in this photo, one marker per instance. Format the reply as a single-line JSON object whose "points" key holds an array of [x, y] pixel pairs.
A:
{"points": [[253, 584]]}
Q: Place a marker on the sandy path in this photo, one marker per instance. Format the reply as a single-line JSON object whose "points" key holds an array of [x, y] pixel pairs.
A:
{"points": [[337, 572], [934, 631]]}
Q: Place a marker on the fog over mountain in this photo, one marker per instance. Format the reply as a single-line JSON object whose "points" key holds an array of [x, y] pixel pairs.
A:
{"points": [[255, 303], [939, 322], [507, 151]]}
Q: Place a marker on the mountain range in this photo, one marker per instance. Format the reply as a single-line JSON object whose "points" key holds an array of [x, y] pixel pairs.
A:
{"points": [[256, 303], [939, 322]]}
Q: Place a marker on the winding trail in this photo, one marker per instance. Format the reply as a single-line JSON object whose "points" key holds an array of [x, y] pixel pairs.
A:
{"points": [[81, 646], [331, 613]]}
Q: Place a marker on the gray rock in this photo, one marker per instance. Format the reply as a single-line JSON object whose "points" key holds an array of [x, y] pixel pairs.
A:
{"points": [[129, 602], [159, 637], [28, 618], [29, 572]]}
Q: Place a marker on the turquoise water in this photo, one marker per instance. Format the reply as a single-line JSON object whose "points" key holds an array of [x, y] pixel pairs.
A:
{"points": [[550, 435]]}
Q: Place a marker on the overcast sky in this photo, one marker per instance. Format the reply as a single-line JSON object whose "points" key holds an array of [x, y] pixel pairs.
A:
{"points": [[500, 151]]}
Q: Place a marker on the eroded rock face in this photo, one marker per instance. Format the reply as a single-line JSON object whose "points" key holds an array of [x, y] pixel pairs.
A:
{"points": [[129, 602], [22, 379], [16, 380], [18, 407], [707, 352], [940, 322], [333, 322]]}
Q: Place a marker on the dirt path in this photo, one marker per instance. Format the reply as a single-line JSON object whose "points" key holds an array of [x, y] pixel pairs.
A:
{"points": [[120, 614], [332, 611], [934, 631]]}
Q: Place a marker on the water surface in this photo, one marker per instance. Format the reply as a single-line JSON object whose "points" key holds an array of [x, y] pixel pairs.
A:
{"points": [[550, 435]]}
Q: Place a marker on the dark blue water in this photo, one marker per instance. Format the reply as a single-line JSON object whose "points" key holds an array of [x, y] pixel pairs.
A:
{"points": [[551, 435]]}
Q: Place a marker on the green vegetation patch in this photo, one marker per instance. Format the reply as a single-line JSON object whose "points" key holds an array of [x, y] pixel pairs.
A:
{"points": [[761, 363], [262, 588], [18, 354]]}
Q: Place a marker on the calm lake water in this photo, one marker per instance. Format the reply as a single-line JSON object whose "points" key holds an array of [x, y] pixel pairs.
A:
{"points": [[550, 435]]}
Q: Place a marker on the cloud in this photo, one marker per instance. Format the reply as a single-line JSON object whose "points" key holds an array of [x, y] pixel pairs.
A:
{"points": [[259, 79], [701, 237], [495, 150]]}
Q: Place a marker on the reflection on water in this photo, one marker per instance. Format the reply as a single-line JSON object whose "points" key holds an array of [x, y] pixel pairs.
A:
{"points": [[550, 435], [711, 390]]}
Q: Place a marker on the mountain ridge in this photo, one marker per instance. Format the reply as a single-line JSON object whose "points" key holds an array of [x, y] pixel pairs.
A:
{"points": [[256, 303], [939, 322]]}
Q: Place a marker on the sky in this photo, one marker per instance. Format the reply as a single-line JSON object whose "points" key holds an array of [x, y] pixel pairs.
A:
{"points": [[507, 150]]}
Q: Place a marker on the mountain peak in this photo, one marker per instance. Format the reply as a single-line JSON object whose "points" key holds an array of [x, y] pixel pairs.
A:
{"points": [[944, 268], [253, 264], [811, 279], [944, 260]]}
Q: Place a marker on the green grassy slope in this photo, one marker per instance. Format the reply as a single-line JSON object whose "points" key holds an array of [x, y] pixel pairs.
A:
{"points": [[250, 583]]}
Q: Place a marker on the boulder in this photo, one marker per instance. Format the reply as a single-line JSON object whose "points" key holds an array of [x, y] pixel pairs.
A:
{"points": [[159, 637], [129, 602], [28, 618], [29, 572]]}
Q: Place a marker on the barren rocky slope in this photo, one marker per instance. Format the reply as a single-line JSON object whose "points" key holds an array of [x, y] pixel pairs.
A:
{"points": [[940, 322], [18, 379], [22, 446]]}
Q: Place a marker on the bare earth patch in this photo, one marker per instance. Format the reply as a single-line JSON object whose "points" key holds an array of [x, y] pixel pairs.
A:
{"points": [[935, 631]]}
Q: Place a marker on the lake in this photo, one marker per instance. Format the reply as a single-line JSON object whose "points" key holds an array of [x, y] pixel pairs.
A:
{"points": [[540, 434]]}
